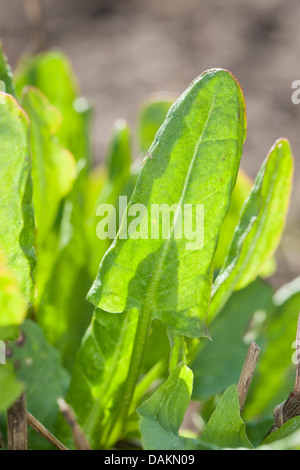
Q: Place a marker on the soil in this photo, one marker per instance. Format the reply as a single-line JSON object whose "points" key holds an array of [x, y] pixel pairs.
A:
{"points": [[123, 50]]}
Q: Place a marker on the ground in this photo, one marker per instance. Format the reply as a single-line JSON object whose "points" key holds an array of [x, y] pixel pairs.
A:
{"points": [[123, 50]]}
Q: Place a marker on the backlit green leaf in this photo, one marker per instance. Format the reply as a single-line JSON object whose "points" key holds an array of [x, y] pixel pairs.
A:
{"points": [[194, 159]]}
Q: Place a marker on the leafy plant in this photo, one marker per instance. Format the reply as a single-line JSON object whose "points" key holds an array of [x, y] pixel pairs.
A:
{"points": [[169, 315]]}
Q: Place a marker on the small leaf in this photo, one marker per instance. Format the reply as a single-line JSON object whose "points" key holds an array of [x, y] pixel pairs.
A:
{"points": [[259, 230], [226, 427], [162, 414]]}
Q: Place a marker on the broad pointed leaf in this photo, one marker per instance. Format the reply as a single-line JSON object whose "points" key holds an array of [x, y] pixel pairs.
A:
{"points": [[226, 427], [194, 159]]}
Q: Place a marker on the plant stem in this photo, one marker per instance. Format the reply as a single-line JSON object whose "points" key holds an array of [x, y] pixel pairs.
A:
{"points": [[247, 372], [17, 435]]}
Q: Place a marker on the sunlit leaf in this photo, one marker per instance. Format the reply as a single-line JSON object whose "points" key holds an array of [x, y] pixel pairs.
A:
{"points": [[260, 227]]}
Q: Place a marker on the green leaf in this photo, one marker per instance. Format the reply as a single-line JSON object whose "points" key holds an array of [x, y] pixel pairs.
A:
{"points": [[6, 76], [259, 230], [99, 374], [16, 229], [10, 387], [194, 159], [38, 366], [219, 362], [52, 73], [53, 167], [226, 427], [276, 369], [151, 116], [287, 429], [162, 414]]}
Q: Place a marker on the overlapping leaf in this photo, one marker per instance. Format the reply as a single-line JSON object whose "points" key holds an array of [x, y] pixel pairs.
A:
{"points": [[259, 230]]}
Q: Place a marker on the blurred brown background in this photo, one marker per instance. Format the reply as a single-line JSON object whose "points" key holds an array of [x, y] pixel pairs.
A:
{"points": [[123, 50]]}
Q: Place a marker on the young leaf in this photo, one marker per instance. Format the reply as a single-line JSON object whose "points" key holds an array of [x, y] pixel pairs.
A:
{"points": [[38, 366], [162, 414], [226, 427], [16, 229], [194, 159], [259, 230]]}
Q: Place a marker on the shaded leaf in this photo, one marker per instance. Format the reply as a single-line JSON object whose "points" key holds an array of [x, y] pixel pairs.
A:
{"points": [[226, 427], [38, 366]]}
